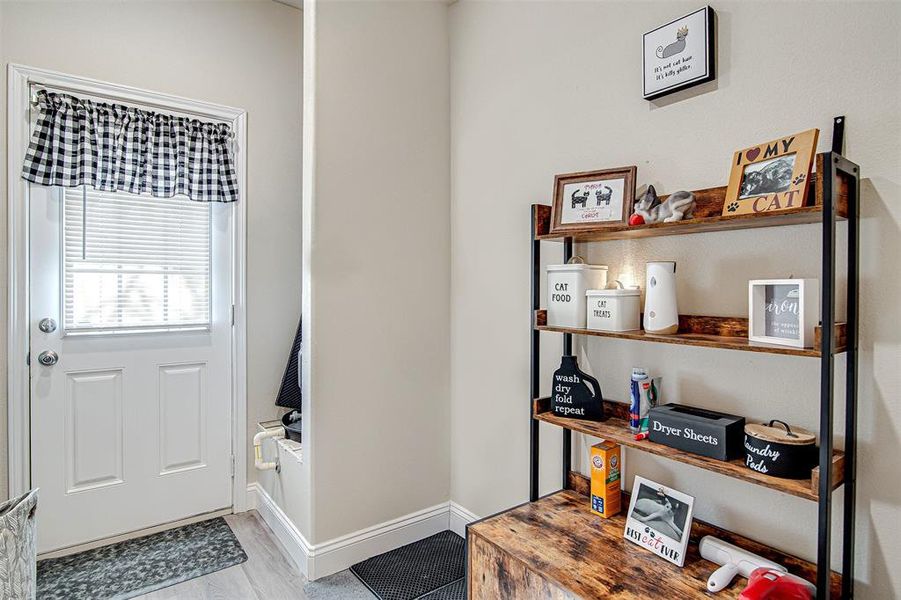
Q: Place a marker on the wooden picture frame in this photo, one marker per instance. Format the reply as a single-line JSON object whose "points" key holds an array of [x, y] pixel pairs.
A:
{"points": [[592, 200], [680, 54], [769, 300], [772, 176]]}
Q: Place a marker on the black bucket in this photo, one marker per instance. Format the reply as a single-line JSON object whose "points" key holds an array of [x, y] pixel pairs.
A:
{"points": [[292, 427]]}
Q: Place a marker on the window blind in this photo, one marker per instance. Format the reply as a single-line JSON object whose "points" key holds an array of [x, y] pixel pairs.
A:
{"points": [[134, 263]]}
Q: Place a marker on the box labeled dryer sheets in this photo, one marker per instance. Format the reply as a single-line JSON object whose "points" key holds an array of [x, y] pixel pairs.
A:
{"points": [[605, 479]]}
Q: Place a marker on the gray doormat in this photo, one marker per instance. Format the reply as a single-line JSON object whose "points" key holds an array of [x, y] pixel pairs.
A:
{"points": [[431, 569], [141, 565]]}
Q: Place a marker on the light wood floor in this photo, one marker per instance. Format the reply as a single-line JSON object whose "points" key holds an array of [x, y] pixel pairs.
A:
{"points": [[265, 575]]}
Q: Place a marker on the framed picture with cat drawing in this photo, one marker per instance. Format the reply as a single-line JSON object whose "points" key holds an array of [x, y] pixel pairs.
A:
{"points": [[592, 200], [680, 54]]}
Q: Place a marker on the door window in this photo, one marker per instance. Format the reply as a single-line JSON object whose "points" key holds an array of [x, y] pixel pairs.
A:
{"points": [[134, 263]]}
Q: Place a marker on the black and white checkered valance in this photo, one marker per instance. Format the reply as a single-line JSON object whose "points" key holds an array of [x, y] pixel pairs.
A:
{"points": [[112, 147]]}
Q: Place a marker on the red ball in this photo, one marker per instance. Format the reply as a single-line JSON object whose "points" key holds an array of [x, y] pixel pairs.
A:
{"points": [[636, 220]]}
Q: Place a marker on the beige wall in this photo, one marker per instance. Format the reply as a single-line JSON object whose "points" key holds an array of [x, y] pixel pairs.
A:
{"points": [[376, 262], [549, 87], [241, 54]]}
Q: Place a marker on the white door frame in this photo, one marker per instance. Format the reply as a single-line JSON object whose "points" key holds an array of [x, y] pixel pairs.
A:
{"points": [[18, 387]]}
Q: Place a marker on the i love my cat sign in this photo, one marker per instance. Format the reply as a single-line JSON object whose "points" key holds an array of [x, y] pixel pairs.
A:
{"points": [[772, 176], [679, 54]]}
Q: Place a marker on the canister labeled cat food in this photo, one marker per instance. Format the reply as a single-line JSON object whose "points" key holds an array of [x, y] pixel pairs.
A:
{"points": [[566, 287], [783, 451], [613, 310]]}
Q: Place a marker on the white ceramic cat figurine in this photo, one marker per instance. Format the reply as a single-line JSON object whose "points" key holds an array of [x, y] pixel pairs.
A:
{"points": [[678, 206]]}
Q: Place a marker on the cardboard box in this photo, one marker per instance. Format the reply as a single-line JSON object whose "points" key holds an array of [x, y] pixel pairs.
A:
{"points": [[605, 479]]}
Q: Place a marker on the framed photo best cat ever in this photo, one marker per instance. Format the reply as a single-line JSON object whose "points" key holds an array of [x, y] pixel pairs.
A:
{"points": [[659, 519]]}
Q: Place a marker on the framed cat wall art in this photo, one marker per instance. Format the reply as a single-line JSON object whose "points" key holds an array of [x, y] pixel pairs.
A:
{"points": [[679, 54], [592, 200]]}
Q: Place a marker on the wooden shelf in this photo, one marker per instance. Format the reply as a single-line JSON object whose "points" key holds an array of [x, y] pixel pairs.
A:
{"points": [[616, 429], [554, 547], [729, 333], [577, 554], [708, 216], [799, 216]]}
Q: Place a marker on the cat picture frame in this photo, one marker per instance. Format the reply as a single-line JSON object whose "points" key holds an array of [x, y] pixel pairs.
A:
{"points": [[659, 519], [592, 200], [772, 176], [680, 54]]}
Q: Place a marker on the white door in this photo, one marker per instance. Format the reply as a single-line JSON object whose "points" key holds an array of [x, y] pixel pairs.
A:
{"points": [[131, 381]]}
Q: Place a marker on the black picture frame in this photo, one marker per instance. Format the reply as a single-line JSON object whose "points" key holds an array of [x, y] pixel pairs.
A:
{"points": [[710, 58]]}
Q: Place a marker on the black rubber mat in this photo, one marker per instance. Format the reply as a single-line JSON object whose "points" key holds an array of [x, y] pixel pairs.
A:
{"points": [[453, 591], [416, 570]]}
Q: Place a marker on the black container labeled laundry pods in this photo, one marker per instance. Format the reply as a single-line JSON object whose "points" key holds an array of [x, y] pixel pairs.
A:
{"points": [[576, 394], [780, 451]]}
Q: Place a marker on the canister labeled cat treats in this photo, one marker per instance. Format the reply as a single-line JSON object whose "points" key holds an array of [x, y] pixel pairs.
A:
{"points": [[566, 287], [613, 310]]}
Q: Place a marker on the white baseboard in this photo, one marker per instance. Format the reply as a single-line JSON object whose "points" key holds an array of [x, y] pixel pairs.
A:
{"points": [[321, 560], [340, 553], [293, 543], [460, 517]]}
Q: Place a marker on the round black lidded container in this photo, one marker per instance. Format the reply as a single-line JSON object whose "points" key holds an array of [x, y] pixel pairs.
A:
{"points": [[780, 451], [292, 423]]}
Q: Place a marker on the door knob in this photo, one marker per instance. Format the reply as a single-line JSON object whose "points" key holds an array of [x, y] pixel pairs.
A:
{"points": [[47, 325], [48, 358]]}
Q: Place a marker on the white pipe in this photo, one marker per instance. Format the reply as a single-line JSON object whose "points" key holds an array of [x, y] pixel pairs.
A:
{"points": [[258, 449]]}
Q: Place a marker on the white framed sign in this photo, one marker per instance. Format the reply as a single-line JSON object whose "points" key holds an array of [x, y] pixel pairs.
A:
{"points": [[680, 54], [783, 311], [659, 519]]}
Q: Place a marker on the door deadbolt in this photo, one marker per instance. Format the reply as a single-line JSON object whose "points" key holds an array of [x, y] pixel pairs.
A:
{"points": [[48, 358], [47, 325]]}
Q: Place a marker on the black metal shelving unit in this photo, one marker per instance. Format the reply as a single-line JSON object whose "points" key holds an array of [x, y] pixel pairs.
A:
{"points": [[835, 168]]}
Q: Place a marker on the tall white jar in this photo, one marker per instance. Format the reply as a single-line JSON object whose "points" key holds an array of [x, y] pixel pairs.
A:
{"points": [[566, 287]]}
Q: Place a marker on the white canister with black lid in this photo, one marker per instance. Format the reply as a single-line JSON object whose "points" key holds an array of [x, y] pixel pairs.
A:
{"points": [[566, 287], [776, 449]]}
